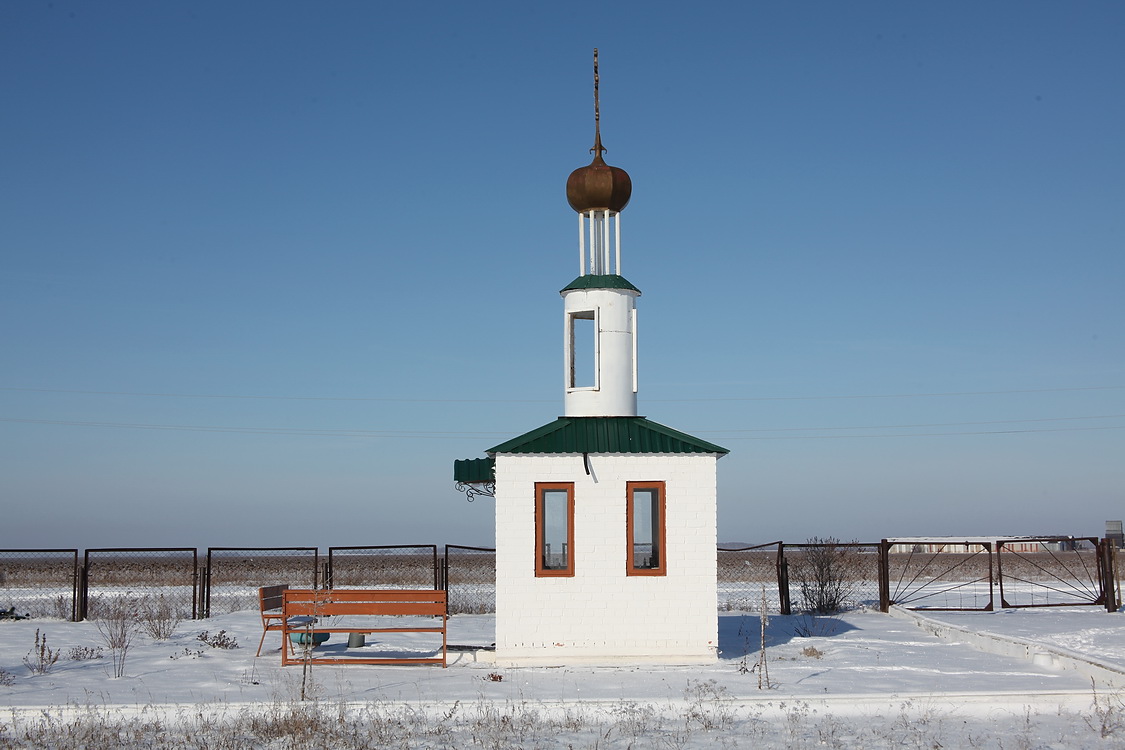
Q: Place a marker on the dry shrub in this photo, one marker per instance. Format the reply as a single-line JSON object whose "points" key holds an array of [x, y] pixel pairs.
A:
{"points": [[41, 658], [118, 626], [822, 571], [159, 618]]}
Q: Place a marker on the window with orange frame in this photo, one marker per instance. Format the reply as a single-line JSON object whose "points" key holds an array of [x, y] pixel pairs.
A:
{"points": [[646, 550]]}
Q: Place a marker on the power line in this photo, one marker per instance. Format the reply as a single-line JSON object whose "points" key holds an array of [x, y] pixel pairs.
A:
{"points": [[892, 395], [439, 435], [924, 434], [908, 426], [300, 431], [396, 399], [286, 398]]}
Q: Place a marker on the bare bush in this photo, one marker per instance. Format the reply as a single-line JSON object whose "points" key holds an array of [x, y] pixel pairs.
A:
{"points": [[222, 639], [41, 658], [118, 626], [159, 618], [85, 653], [822, 571], [61, 607]]}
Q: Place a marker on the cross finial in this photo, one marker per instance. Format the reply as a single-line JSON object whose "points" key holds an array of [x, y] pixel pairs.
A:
{"points": [[598, 148]]}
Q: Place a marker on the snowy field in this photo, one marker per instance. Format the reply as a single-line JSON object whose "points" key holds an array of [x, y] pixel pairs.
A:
{"points": [[1039, 679]]}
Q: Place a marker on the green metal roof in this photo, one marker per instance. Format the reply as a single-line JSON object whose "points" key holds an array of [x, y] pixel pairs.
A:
{"points": [[605, 435], [600, 281], [474, 470]]}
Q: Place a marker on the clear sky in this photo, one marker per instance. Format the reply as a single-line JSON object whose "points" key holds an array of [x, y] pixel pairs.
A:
{"points": [[268, 268]]}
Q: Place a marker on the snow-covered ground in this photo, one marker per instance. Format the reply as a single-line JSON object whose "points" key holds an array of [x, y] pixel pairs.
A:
{"points": [[1043, 678]]}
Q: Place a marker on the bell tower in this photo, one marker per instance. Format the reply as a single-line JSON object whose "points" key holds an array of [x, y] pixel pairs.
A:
{"points": [[606, 521], [599, 307]]}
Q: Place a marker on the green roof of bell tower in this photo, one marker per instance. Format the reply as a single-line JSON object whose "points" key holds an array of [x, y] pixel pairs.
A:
{"points": [[600, 281]]}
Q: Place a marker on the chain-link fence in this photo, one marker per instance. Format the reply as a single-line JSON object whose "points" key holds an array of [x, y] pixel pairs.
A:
{"points": [[39, 583], [469, 575], [747, 574], [139, 578], [234, 574], [827, 576], [397, 566], [819, 576]]}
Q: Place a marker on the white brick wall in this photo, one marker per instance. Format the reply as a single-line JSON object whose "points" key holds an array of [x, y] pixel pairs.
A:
{"points": [[601, 614]]}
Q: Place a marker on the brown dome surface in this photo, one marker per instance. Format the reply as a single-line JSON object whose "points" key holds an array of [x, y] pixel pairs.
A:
{"points": [[598, 187]]}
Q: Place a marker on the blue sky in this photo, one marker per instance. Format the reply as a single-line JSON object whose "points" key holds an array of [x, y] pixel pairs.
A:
{"points": [[267, 269]]}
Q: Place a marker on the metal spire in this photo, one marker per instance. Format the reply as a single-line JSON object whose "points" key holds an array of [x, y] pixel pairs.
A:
{"points": [[598, 147]]}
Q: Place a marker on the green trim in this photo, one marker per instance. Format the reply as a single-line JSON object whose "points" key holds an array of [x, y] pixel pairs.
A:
{"points": [[605, 435], [600, 281], [474, 470]]}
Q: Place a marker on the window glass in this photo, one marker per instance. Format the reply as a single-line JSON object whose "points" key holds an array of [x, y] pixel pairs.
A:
{"points": [[646, 528], [554, 529]]}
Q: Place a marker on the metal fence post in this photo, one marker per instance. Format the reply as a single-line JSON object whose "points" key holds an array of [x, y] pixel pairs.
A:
{"points": [[205, 589], [83, 590], [1116, 573], [783, 581], [884, 575], [437, 571], [75, 577], [196, 592], [1109, 576]]}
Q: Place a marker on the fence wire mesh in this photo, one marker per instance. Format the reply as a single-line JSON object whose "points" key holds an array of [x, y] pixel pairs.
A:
{"points": [[234, 574], [940, 574], [138, 579], [399, 566], [828, 576], [39, 583], [743, 574], [470, 579]]}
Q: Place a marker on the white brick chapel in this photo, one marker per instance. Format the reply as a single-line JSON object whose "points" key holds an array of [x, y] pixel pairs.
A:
{"points": [[605, 521]]}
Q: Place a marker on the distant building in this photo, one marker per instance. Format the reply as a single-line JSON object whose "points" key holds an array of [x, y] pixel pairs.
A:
{"points": [[972, 545]]}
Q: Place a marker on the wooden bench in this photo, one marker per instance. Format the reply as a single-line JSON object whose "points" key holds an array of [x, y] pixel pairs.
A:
{"points": [[269, 605], [358, 610]]}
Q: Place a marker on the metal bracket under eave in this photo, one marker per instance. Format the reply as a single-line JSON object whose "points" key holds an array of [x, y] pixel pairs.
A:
{"points": [[473, 489]]}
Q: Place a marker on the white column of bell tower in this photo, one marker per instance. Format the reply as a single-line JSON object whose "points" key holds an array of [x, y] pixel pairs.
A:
{"points": [[605, 248], [600, 325]]}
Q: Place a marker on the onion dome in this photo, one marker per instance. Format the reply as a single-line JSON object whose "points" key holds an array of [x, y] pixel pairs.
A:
{"points": [[598, 186]]}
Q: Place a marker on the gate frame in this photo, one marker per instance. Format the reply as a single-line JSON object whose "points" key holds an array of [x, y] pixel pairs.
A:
{"points": [[84, 576], [75, 576], [885, 571], [1105, 577]]}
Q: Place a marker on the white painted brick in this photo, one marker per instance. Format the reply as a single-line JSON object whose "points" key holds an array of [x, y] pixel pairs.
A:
{"points": [[601, 613]]}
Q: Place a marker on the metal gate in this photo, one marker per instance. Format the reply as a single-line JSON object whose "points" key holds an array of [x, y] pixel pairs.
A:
{"points": [[937, 574], [1055, 572], [138, 577]]}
